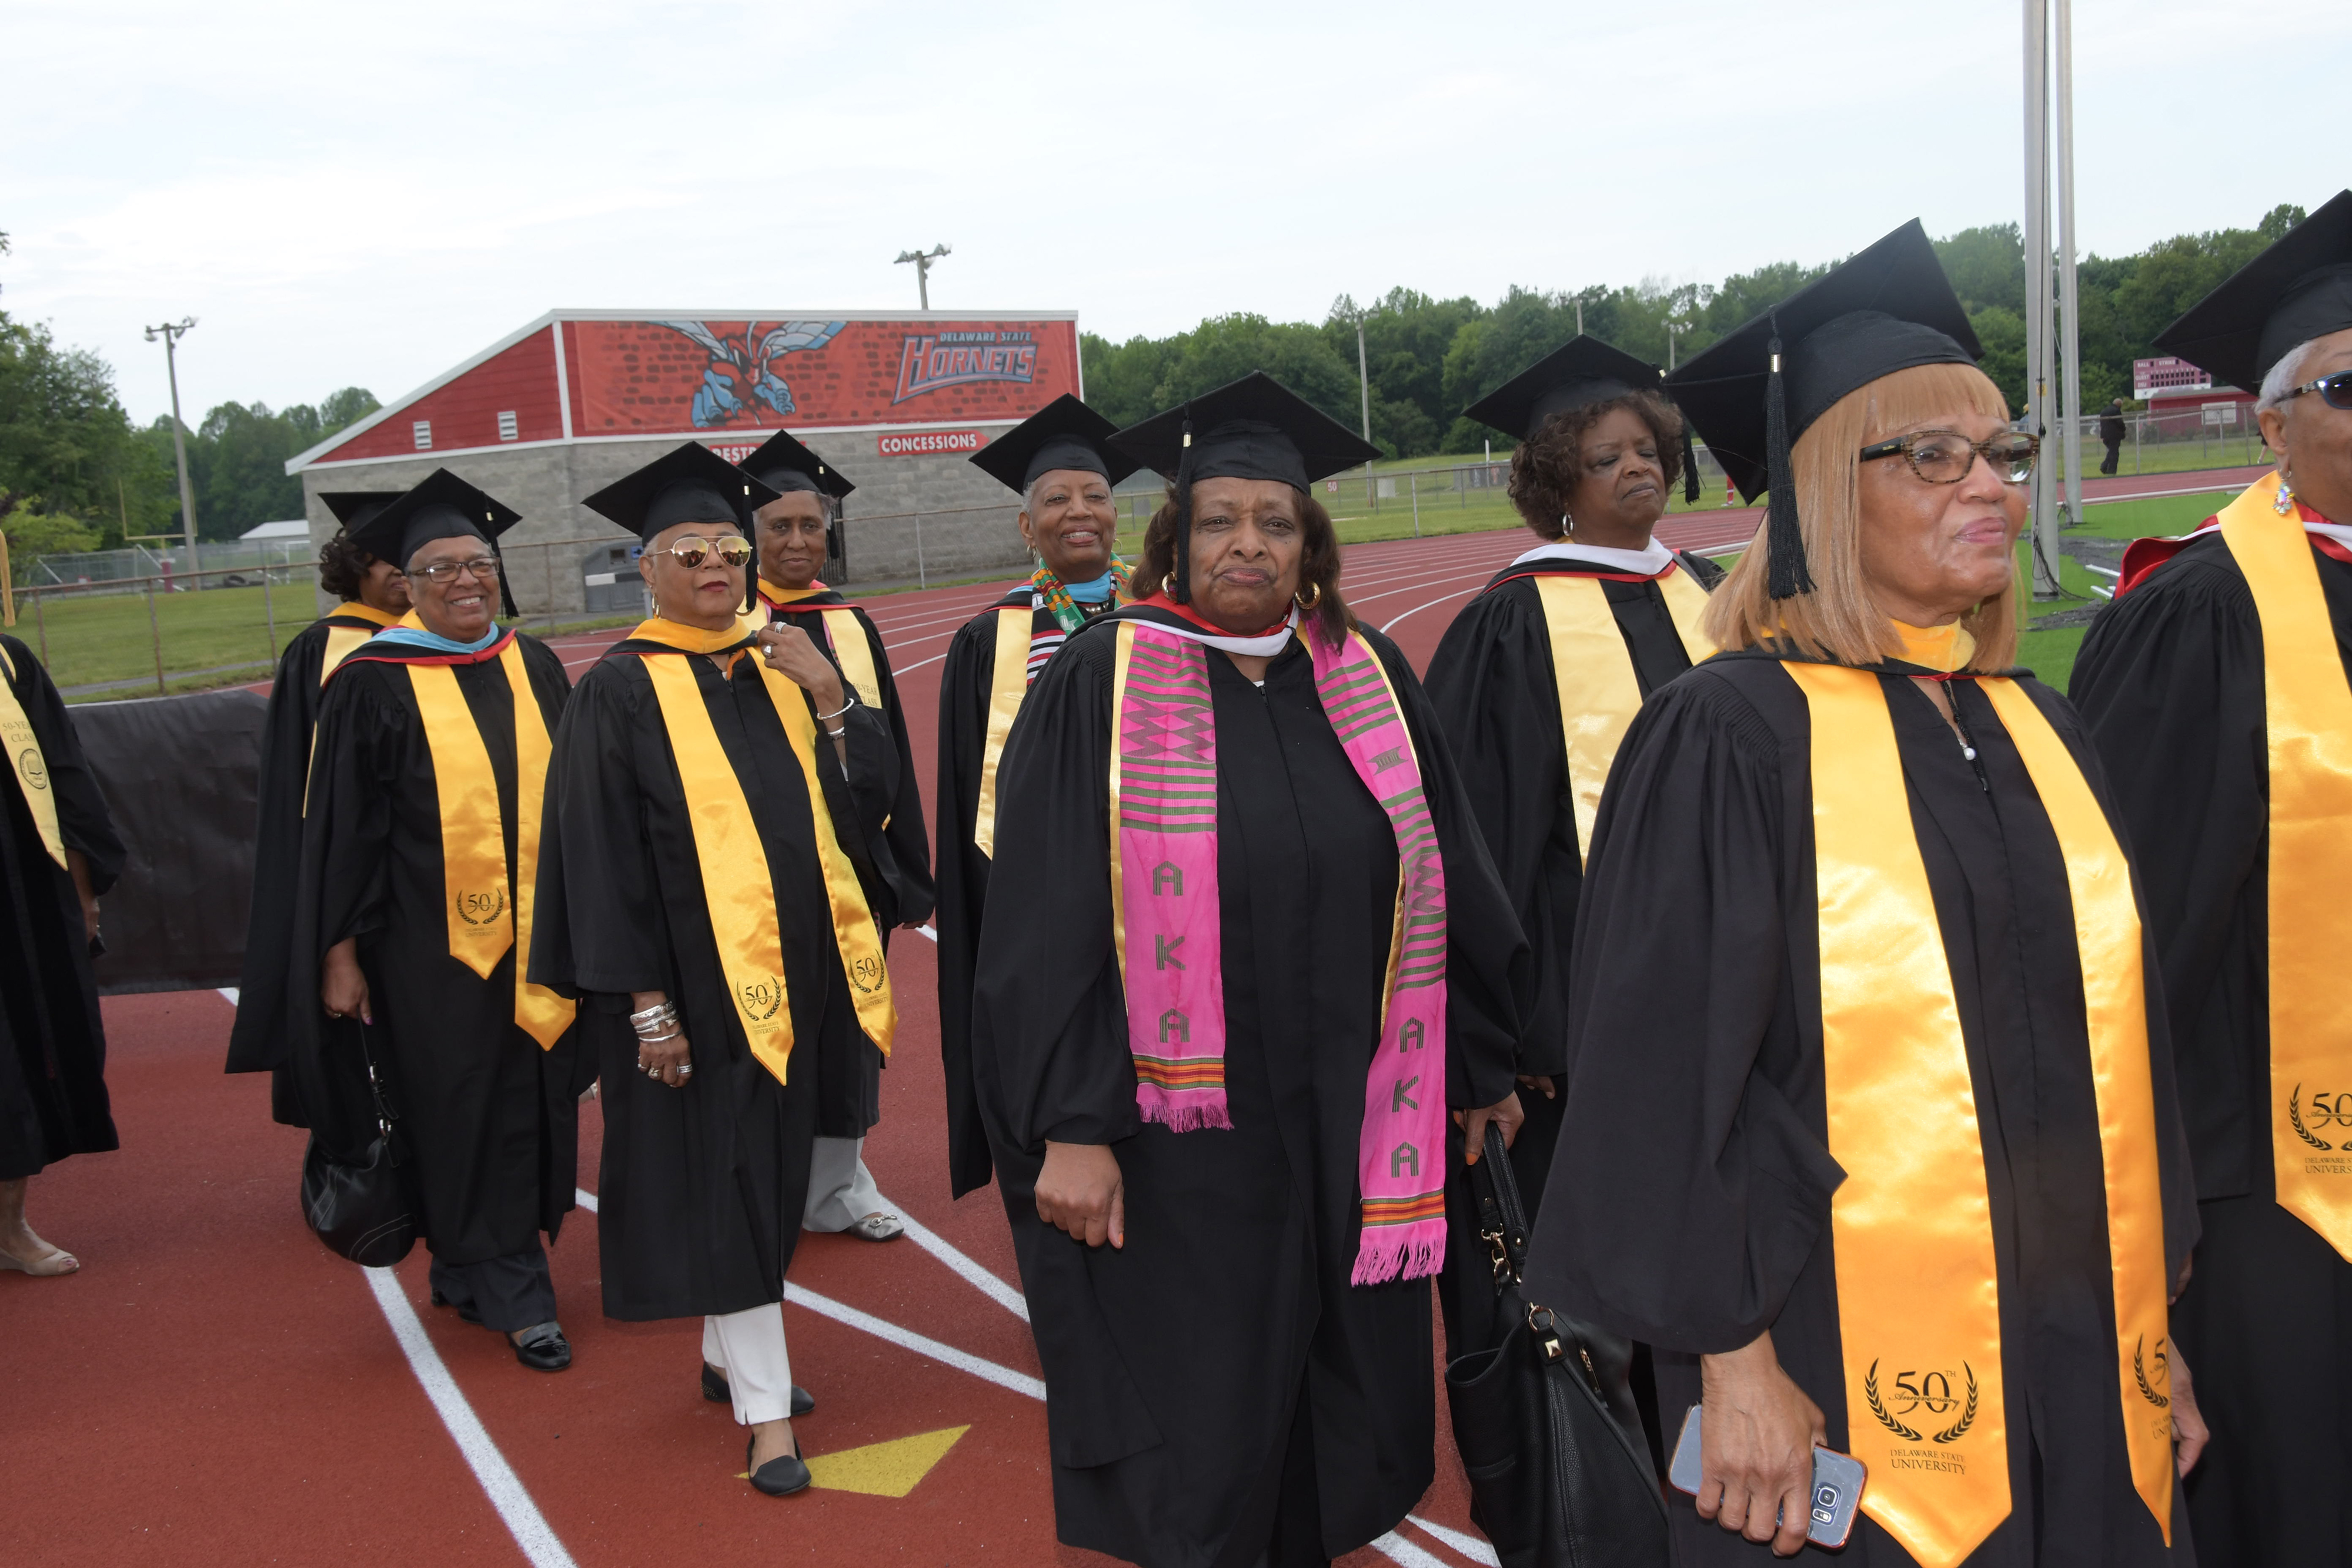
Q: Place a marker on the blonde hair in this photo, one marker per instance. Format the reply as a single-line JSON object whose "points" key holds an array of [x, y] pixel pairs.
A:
{"points": [[1838, 619]]}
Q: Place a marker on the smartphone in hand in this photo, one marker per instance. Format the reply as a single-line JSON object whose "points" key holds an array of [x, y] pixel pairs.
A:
{"points": [[1838, 1481]]}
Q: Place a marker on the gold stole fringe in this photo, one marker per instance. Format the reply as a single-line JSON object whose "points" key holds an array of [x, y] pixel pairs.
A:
{"points": [[736, 888], [26, 761], [2307, 716], [1918, 1292], [1598, 694], [1008, 684], [486, 916]]}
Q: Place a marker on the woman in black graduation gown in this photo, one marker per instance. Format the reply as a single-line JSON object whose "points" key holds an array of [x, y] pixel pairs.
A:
{"points": [[1566, 642], [1060, 460], [419, 845], [1242, 1374], [895, 867], [696, 897], [2246, 891], [374, 594], [1870, 1127], [58, 855]]}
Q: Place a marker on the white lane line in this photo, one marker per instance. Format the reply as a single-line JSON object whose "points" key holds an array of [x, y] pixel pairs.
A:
{"points": [[900, 674], [1458, 593], [1470, 1546], [1397, 1549], [506, 1491], [946, 1355], [230, 992], [930, 932], [974, 1273]]}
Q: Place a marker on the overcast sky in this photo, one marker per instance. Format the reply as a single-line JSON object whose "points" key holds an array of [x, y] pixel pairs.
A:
{"points": [[368, 194]]}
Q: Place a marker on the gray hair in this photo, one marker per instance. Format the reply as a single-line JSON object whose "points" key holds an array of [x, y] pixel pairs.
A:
{"points": [[2284, 377]]}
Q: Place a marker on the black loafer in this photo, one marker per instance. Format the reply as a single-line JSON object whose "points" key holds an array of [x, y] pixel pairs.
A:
{"points": [[779, 1477], [715, 1389], [467, 1310], [543, 1348]]}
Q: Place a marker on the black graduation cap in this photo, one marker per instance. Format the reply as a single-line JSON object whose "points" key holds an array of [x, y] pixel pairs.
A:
{"points": [[782, 463], [1584, 369], [2297, 289], [1254, 428], [1064, 433], [689, 483], [439, 507], [1888, 307], [354, 508]]}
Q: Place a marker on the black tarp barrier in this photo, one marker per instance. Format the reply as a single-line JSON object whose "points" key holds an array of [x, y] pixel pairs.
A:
{"points": [[180, 774]]}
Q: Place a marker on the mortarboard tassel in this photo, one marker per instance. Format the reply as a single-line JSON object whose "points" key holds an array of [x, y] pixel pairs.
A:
{"points": [[1784, 537], [1690, 468], [1182, 592], [506, 594]]}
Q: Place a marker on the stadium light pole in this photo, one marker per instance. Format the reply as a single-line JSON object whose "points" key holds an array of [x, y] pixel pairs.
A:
{"points": [[2070, 339], [2042, 523], [922, 260], [172, 332]]}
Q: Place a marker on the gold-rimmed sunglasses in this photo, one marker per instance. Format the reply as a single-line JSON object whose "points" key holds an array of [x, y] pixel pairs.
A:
{"points": [[1945, 457], [691, 553]]}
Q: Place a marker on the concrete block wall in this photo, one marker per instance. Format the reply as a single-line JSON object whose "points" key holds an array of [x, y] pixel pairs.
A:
{"points": [[931, 516]]}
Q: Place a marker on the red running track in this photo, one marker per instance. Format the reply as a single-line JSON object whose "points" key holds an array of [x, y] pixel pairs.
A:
{"points": [[212, 1387]]}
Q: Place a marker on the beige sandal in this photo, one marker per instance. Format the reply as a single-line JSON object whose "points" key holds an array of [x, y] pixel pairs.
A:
{"points": [[56, 1261]]}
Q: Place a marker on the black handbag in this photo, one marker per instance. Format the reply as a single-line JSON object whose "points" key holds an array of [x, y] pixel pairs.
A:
{"points": [[365, 1212], [1560, 1475]]}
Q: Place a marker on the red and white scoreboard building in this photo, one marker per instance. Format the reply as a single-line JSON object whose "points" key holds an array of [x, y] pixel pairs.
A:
{"points": [[566, 405]]}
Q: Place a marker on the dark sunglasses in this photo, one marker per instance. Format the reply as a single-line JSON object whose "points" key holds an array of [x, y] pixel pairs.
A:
{"points": [[692, 553], [1945, 457], [2334, 391]]}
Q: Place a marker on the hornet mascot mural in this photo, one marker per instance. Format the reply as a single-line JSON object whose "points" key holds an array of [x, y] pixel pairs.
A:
{"points": [[741, 372]]}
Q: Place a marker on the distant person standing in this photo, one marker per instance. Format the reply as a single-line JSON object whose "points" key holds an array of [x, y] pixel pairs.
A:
{"points": [[894, 868], [57, 853], [2111, 433], [373, 595], [413, 914]]}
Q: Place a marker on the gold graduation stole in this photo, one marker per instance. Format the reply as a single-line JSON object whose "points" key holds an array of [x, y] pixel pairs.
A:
{"points": [[1008, 684], [736, 886], [486, 915], [2307, 717], [26, 761], [1598, 694], [1918, 1294], [850, 648], [343, 641]]}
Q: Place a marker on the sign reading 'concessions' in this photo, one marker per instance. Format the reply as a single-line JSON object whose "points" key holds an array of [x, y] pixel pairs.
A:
{"points": [[930, 442]]}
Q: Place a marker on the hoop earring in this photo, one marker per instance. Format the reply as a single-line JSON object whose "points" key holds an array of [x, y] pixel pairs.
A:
{"points": [[1567, 526], [2283, 502], [1310, 603], [1167, 585]]}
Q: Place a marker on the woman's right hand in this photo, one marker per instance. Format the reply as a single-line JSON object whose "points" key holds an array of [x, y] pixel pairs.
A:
{"points": [[343, 985], [1756, 1437], [672, 1061], [1080, 1190]]}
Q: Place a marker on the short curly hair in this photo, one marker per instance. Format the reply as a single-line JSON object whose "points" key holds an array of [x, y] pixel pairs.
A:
{"points": [[342, 566], [1547, 467], [1318, 561]]}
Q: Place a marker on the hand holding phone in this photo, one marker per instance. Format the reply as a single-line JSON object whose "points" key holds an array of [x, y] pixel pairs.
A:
{"points": [[1838, 1480]]}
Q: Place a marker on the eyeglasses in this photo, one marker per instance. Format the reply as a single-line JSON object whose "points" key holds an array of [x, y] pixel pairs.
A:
{"points": [[446, 571], [692, 553], [2334, 391], [1945, 457]]}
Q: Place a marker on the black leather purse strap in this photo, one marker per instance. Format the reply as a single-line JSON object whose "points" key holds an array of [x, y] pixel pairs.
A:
{"points": [[380, 1096], [1501, 1218]]}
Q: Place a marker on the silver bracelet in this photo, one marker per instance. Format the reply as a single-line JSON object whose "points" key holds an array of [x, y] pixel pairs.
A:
{"points": [[836, 734], [661, 1038], [845, 707], [655, 1011]]}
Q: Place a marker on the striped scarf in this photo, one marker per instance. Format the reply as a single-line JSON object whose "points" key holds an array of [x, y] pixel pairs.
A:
{"points": [[1054, 595]]}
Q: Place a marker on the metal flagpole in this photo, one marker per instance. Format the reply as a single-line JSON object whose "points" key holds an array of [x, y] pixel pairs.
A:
{"points": [[2070, 342], [2041, 525]]}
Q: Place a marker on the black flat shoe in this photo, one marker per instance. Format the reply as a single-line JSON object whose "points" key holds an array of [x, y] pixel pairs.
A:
{"points": [[715, 1389], [543, 1348], [467, 1312], [779, 1477]]}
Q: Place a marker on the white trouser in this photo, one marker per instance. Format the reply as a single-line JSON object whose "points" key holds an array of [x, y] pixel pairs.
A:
{"points": [[748, 1347], [840, 1189]]}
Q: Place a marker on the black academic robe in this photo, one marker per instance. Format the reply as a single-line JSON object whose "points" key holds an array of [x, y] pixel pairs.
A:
{"points": [[1174, 1367], [894, 866], [2169, 681], [53, 1098], [967, 678], [259, 1041], [490, 1120], [701, 1191], [1493, 686], [1690, 1197]]}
